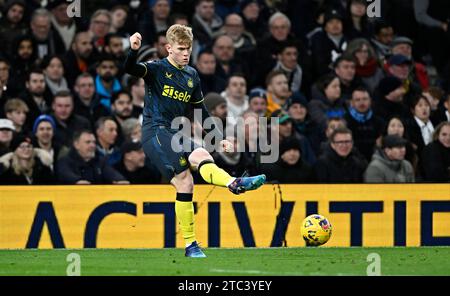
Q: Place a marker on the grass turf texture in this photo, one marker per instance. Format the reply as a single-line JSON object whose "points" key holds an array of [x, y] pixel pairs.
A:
{"points": [[220, 261]]}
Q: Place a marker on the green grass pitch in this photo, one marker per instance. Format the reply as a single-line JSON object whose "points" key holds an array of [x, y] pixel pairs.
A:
{"points": [[221, 261]]}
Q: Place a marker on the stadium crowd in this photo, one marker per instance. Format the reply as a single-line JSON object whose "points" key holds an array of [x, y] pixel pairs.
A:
{"points": [[357, 98]]}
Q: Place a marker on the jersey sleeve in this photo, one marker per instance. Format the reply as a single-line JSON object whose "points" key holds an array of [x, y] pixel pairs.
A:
{"points": [[197, 95]]}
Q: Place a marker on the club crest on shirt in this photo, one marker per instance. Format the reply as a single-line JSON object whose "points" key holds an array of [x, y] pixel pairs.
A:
{"points": [[190, 83], [169, 75], [183, 161]]}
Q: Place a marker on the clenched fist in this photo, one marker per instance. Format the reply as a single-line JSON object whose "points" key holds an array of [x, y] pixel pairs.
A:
{"points": [[135, 41], [227, 146]]}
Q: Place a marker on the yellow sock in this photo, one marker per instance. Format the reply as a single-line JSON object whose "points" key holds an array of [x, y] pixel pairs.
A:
{"points": [[184, 209], [212, 174]]}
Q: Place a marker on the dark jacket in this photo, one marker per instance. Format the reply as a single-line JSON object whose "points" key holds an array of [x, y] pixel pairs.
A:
{"points": [[436, 162], [283, 173], [143, 175], [386, 109], [65, 130], [72, 168], [42, 172], [321, 48], [331, 168]]}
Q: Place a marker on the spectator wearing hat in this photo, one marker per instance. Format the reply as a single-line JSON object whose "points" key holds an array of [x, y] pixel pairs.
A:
{"points": [[16, 111], [287, 62], [326, 100], [290, 167], [44, 130], [297, 109], [206, 69], [62, 25], [257, 101], [400, 66], [366, 127], [133, 167], [403, 46], [26, 165], [340, 164], [329, 44], [84, 166], [390, 100], [12, 24], [217, 107], [366, 63], [6, 135], [388, 164], [436, 156]]}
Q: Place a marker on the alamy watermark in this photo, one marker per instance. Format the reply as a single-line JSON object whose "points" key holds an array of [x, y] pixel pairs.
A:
{"points": [[374, 268], [74, 9], [74, 267], [373, 8]]}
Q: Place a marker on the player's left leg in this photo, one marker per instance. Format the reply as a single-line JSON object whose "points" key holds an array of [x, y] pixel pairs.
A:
{"points": [[201, 160]]}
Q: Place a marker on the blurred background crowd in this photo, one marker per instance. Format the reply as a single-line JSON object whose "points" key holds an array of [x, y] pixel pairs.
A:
{"points": [[358, 99]]}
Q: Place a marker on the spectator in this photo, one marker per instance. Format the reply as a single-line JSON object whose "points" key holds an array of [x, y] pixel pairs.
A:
{"points": [[434, 96], [26, 165], [290, 167], [444, 113], [6, 84], [205, 23], [326, 101], [367, 68], [12, 24], [121, 23], [388, 164], [436, 155], [345, 69], [79, 57], [106, 82], [114, 47], [122, 107], [154, 21], [217, 107], [390, 101], [226, 63], [257, 101], [382, 40], [357, 24], [16, 111], [54, 74], [131, 130], [278, 91], [403, 46], [287, 63], [132, 165], [106, 131], [83, 166], [48, 42], [329, 44], [63, 25], [340, 164], [400, 66], [244, 42], [236, 162], [99, 26], [235, 95], [24, 55], [365, 126], [254, 21], [420, 128], [160, 45], [36, 95], [206, 68], [67, 122], [396, 126], [332, 124], [6, 135], [44, 131], [136, 88], [87, 103]]}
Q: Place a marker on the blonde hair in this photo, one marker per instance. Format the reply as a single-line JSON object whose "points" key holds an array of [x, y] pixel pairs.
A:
{"points": [[26, 170], [438, 129], [180, 34], [16, 104]]}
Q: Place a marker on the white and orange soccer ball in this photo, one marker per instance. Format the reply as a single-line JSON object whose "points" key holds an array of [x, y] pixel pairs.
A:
{"points": [[316, 230]]}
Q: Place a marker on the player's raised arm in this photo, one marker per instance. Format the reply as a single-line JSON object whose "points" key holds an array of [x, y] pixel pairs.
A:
{"points": [[131, 67]]}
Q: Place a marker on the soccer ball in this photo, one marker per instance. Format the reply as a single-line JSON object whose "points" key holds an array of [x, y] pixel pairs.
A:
{"points": [[316, 230]]}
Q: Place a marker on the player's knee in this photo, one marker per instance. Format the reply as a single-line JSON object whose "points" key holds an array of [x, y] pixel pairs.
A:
{"points": [[184, 182], [199, 155]]}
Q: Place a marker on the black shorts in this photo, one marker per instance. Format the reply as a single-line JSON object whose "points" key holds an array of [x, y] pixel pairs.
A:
{"points": [[167, 150]]}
